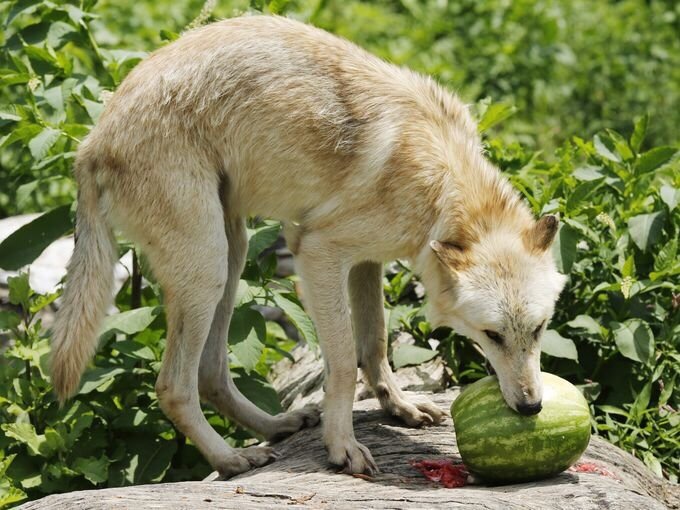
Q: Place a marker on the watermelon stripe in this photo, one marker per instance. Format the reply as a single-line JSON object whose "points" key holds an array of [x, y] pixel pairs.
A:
{"points": [[499, 444]]}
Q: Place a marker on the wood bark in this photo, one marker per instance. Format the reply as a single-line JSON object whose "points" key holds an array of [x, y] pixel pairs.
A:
{"points": [[301, 477]]}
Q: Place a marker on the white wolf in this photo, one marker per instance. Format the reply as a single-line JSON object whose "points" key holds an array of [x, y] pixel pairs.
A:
{"points": [[371, 162]]}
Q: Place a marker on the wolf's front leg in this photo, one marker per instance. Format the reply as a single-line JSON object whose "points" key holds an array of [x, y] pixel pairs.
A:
{"points": [[368, 317], [324, 278]]}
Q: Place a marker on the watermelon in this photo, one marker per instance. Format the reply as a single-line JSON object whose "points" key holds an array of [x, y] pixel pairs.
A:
{"points": [[502, 446]]}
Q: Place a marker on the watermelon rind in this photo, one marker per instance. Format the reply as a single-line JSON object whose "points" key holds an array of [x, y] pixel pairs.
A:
{"points": [[502, 446]]}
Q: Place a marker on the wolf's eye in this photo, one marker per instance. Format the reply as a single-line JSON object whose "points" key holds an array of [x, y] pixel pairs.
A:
{"points": [[538, 329], [496, 337]]}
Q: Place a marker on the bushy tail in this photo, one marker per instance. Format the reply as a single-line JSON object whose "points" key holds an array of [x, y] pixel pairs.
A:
{"points": [[87, 293]]}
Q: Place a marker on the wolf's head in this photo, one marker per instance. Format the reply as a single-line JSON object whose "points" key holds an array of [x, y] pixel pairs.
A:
{"points": [[500, 291]]}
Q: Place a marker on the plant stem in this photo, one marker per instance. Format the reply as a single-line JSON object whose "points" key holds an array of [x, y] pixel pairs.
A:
{"points": [[136, 291]]}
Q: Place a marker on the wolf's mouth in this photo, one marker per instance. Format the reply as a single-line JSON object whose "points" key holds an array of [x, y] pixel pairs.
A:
{"points": [[489, 367]]}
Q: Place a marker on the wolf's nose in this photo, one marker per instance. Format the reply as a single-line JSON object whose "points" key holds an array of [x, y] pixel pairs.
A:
{"points": [[529, 409]]}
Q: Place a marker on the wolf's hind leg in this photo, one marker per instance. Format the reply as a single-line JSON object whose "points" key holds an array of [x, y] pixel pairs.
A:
{"points": [[190, 263], [368, 321], [215, 383]]}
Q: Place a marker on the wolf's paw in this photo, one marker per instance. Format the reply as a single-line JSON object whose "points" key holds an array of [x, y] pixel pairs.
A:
{"points": [[292, 421], [243, 460], [417, 414], [354, 457]]}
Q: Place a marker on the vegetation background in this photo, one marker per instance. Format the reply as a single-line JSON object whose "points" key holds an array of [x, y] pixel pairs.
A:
{"points": [[589, 98]]}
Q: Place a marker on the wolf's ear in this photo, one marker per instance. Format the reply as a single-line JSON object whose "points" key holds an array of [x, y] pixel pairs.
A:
{"points": [[542, 235], [451, 255]]}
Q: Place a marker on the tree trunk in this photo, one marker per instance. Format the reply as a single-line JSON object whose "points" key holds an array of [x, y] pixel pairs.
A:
{"points": [[301, 477]]}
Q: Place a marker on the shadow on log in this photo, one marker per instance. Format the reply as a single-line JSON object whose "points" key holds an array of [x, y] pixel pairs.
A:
{"points": [[301, 478]]}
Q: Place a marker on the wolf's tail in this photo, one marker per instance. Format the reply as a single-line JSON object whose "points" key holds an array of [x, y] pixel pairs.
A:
{"points": [[88, 290]]}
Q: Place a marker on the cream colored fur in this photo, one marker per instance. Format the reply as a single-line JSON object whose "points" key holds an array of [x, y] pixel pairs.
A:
{"points": [[364, 162]]}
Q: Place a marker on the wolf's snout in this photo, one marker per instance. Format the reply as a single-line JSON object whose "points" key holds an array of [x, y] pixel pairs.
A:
{"points": [[529, 409]]}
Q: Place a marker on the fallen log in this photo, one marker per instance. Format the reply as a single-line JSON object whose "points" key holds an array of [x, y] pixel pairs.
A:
{"points": [[301, 477]]}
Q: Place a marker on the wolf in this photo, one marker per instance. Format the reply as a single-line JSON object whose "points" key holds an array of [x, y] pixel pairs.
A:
{"points": [[364, 162]]}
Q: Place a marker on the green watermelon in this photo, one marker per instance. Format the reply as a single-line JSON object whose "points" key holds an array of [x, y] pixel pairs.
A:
{"points": [[500, 445]]}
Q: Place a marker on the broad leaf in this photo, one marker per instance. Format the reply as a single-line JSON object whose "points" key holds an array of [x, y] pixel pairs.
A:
{"points": [[556, 345], [406, 354], [258, 390], [495, 114], [130, 322], [604, 148], [564, 247], [24, 245], [299, 318], [262, 237], [247, 335], [670, 196], [634, 339], [667, 256], [43, 142], [9, 320], [639, 132], [645, 229], [654, 158], [99, 378], [588, 173], [19, 290], [585, 322], [95, 470], [148, 459]]}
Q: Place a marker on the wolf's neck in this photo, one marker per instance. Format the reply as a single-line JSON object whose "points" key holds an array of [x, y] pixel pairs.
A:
{"points": [[477, 199]]}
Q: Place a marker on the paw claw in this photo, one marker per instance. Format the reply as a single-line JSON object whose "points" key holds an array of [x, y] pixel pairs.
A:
{"points": [[354, 458]]}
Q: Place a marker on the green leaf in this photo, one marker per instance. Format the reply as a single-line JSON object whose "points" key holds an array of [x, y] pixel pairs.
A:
{"points": [[581, 192], [299, 318], [8, 118], [19, 290], [667, 391], [38, 444], [602, 148], [134, 350], [495, 114], [43, 142], [564, 247], [588, 173], [148, 460], [262, 237], [652, 463], [247, 335], [59, 34], [641, 401], [130, 322], [670, 196], [628, 268], [556, 345], [654, 158], [11, 495], [585, 322], [639, 132], [645, 229], [24, 245], [96, 470], [620, 144], [634, 339], [99, 379], [667, 256], [258, 390], [168, 35], [406, 354]]}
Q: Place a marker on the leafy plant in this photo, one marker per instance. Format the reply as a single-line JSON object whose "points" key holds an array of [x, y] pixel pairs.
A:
{"points": [[554, 69]]}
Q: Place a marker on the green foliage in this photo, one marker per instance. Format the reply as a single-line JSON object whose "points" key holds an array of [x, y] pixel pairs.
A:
{"points": [[553, 68], [616, 330], [113, 432]]}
